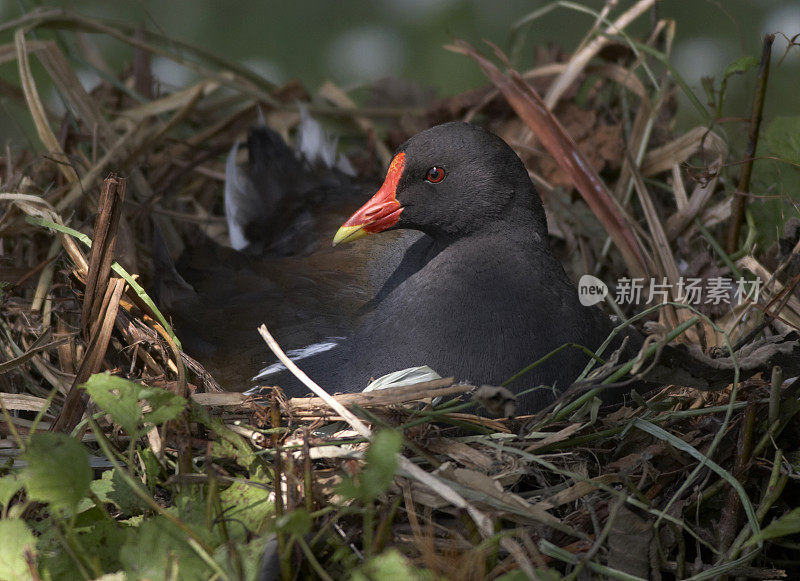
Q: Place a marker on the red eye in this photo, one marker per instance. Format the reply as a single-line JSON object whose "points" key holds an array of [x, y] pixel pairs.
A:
{"points": [[435, 175]]}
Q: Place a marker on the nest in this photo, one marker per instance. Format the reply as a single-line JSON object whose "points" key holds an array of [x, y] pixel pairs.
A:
{"points": [[683, 484]]}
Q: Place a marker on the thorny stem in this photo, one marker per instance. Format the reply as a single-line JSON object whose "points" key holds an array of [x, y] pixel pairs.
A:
{"points": [[737, 212]]}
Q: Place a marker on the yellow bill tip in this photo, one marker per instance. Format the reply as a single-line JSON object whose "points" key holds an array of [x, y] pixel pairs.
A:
{"points": [[348, 234]]}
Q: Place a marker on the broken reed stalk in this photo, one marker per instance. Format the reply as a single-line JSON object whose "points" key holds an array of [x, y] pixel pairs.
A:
{"points": [[99, 337], [100, 302], [104, 239], [740, 199]]}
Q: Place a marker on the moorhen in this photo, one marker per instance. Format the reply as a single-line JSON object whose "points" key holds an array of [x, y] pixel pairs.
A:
{"points": [[480, 295]]}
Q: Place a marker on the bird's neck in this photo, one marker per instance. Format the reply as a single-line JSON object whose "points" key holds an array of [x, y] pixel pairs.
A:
{"points": [[518, 219]]}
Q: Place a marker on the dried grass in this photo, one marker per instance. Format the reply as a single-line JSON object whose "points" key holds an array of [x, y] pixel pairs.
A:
{"points": [[695, 474]]}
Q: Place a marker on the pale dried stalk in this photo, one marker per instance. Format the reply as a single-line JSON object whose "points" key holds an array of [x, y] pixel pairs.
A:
{"points": [[36, 108], [662, 253], [770, 288], [170, 102], [339, 98], [384, 397], [46, 278], [699, 139], [78, 191], [349, 417], [41, 208], [580, 59]]}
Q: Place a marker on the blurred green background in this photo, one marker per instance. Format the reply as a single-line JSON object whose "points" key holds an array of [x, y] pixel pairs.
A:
{"points": [[356, 41]]}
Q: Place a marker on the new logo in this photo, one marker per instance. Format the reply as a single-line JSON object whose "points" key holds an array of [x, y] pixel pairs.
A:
{"points": [[591, 290]]}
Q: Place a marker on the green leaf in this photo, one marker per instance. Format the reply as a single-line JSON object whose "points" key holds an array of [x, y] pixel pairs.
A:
{"points": [[105, 541], [247, 504], [58, 470], [17, 541], [783, 137], [297, 522], [788, 524], [122, 399], [112, 488], [741, 65], [382, 460], [378, 474], [190, 507], [9, 486], [390, 565], [683, 446], [54, 562], [153, 469], [165, 405], [161, 550], [230, 444], [250, 555], [776, 182], [98, 536], [117, 397]]}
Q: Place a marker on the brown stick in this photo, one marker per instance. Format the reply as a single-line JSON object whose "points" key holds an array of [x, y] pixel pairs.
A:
{"points": [[103, 241], [382, 397], [737, 212], [75, 404]]}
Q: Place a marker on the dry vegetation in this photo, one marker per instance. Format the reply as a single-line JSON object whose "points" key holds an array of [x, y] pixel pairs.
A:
{"points": [[686, 484]]}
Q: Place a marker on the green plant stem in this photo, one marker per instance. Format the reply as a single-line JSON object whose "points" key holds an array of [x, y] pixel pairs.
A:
{"points": [[11, 427], [777, 483], [115, 266], [136, 488], [750, 240], [541, 360], [71, 551], [369, 518], [44, 409], [101, 507], [622, 371], [560, 554], [308, 475], [385, 525], [206, 558], [724, 256], [312, 559]]}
